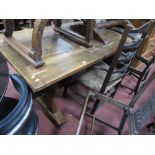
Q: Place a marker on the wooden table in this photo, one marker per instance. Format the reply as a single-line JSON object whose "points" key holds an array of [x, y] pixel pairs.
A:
{"points": [[62, 57]]}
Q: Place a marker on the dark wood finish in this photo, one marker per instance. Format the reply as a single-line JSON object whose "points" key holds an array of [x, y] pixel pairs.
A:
{"points": [[32, 56], [85, 40], [150, 44], [141, 75], [135, 47], [91, 30], [106, 25], [57, 22], [98, 36], [138, 22], [115, 59], [48, 104], [9, 27], [110, 24], [111, 78], [78, 58], [62, 58], [147, 47], [23, 51], [37, 35], [90, 24], [125, 63]]}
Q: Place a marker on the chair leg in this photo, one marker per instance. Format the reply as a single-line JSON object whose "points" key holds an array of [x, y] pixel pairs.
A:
{"points": [[83, 114], [95, 106], [98, 101], [122, 123], [65, 91], [116, 87]]}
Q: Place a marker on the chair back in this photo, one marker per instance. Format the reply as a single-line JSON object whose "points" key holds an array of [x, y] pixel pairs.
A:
{"points": [[124, 54]]}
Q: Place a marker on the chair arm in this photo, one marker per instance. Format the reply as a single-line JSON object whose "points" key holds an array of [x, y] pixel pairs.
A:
{"points": [[109, 100]]}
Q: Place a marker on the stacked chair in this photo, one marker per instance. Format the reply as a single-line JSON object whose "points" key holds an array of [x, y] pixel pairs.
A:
{"points": [[105, 78], [143, 32], [136, 119]]}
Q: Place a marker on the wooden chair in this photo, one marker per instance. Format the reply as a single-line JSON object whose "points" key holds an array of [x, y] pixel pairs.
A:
{"points": [[137, 119], [141, 75], [139, 36], [135, 33], [144, 31], [105, 78]]}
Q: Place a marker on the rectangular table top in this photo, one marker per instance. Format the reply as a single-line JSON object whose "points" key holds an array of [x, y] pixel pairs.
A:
{"points": [[62, 56]]}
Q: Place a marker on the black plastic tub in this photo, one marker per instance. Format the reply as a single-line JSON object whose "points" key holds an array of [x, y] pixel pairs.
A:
{"points": [[17, 117]]}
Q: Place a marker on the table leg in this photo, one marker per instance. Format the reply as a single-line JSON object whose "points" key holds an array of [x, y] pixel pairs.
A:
{"points": [[48, 104]]}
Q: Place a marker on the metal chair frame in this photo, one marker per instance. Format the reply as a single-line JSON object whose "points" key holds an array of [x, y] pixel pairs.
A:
{"points": [[137, 119], [124, 55], [131, 50]]}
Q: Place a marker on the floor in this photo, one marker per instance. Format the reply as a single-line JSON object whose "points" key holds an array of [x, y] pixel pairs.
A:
{"points": [[71, 109]]}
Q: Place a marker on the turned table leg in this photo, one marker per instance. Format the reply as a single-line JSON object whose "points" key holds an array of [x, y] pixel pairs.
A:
{"points": [[48, 104]]}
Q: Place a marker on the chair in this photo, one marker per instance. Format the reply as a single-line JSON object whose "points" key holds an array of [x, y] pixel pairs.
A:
{"points": [[105, 78], [137, 119], [135, 33], [141, 75], [144, 31]]}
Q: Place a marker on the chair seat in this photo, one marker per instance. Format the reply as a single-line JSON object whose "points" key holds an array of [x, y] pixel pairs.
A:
{"points": [[93, 78], [135, 36]]}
